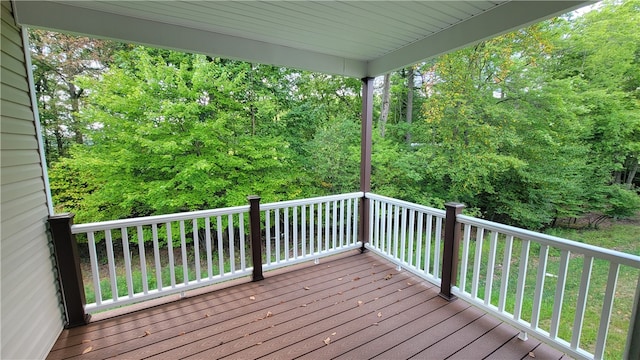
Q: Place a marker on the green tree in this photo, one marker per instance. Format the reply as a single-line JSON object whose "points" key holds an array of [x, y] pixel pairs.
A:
{"points": [[171, 132], [602, 57], [58, 59]]}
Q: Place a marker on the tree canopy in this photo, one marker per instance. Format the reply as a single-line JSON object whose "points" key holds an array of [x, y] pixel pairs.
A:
{"points": [[532, 126]]}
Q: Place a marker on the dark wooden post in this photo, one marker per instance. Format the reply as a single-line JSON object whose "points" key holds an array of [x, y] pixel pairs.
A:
{"points": [[255, 236], [632, 350], [452, 233], [68, 261], [365, 157]]}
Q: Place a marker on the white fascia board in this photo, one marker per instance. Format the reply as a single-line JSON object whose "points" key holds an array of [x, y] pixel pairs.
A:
{"points": [[504, 18], [78, 20]]}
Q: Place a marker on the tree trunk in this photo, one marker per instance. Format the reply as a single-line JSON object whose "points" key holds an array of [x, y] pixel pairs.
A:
{"points": [[409, 114], [632, 172], [74, 96], [252, 99], [386, 95]]}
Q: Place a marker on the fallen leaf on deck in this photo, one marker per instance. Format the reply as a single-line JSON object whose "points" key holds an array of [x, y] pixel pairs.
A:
{"points": [[531, 354], [327, 341], [306, 288], [376, 324], [360, 302], [245, 335], [376, 298], [380, 314], [146, 333], [303, 305], [87, 349], [182, 333], [399, 289], [260, 343], [355, 278], [86, 341], [252, 297], [206, 315], [339, 278], [409, 284], [269, 314], [333, 334], [389, 276], [339, 292]]}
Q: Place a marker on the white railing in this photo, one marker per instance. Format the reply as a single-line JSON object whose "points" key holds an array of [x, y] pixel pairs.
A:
{"points": [[544, 285], [409, 235], [142, 258], [300, 230], [200, 250], [519, 276]]}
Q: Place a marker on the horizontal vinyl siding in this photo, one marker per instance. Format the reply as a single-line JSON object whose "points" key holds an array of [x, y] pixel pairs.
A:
{"points": [[18, 141], [21, 173], [15, 112], [30, 311], [18, 190], [13, 157]]}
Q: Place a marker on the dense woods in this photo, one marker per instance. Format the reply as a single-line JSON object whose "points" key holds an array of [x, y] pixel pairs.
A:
{"points": [[528, 128]]}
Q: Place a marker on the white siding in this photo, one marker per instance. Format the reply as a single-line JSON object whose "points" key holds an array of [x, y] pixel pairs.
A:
{"points": [[31, 317]]}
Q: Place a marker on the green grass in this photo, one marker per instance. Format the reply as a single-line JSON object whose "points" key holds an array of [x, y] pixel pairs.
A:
{"points": [[136, 273], [165, 271]]}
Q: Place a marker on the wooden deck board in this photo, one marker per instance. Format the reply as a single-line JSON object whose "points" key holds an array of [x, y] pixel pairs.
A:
{"points": [[352, 307]]}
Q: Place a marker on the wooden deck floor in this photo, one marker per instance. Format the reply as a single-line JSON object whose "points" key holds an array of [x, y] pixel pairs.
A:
{"points": [[352, 307]]}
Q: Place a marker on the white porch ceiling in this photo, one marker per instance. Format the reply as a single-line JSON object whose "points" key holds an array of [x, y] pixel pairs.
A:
{"points": [[353, 38]]}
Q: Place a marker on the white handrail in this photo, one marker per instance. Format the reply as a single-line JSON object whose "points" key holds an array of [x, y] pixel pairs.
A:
{"points": [[553, 241], [156, 219], [332, 228], [406, 204], [479, 269], [309, 201], [410, 235], [398, 227], [308, 229], [228, 223]]}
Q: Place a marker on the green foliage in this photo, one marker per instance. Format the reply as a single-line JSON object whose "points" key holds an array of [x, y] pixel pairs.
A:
{"points": [[335, 159], [167, 139], [532, 126]]}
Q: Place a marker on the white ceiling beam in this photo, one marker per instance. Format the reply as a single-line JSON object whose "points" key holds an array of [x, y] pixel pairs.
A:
{"points": [[78, 20], [502, 19]]}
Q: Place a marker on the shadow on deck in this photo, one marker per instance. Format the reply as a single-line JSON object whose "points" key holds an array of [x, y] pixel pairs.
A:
{"points": [[351, 306]]}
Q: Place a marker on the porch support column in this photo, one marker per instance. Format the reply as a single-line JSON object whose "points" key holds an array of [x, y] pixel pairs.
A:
{"points": [[365, 156], [65, 249], [452, 233]]}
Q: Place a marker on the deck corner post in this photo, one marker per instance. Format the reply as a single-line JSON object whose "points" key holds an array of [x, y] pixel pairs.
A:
{"points": [[255, 237], [632, 349], [452, 233], [67, 258], [365, 158]]}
